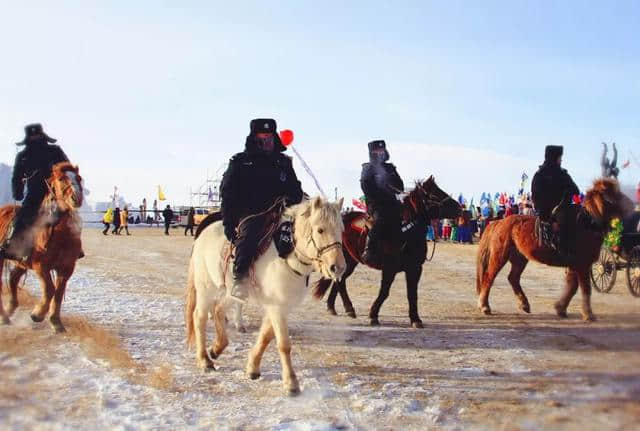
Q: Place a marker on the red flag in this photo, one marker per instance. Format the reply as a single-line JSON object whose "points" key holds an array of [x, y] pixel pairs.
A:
{"points": [[359, 204], [626, 164]]}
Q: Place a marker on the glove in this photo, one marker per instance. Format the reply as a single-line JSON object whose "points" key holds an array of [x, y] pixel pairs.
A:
{"points": [[230, 233], [19, 196]]}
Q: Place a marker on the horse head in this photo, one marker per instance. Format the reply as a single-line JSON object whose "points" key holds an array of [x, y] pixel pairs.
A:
{"points": [[604, 201], [432, 202], [318, 236], [66, 186]]}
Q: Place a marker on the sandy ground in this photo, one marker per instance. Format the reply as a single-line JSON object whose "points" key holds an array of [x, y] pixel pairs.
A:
{"points": [[123, 362]]}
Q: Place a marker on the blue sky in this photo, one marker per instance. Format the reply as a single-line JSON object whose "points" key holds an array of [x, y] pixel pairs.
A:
{"points": [[160, 92]]}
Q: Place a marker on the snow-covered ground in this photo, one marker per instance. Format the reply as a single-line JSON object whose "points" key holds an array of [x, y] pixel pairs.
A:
{"points": [[123, 363]]}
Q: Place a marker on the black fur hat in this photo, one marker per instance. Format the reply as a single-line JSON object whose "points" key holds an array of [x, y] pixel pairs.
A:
{"points": [[34, 129], [552, 152], [374, 147], [263, 125]]}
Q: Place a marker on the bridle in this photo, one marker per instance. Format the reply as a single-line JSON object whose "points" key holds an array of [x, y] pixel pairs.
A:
{"points": [[319, 250]]}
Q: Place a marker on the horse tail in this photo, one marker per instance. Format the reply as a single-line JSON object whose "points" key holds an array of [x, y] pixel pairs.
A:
{"points": [[483, 256], [320, 287], [190, 305]]}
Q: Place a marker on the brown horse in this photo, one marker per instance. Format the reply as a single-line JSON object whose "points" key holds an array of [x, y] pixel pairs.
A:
{"points": [[57, 245], [514, 239]]}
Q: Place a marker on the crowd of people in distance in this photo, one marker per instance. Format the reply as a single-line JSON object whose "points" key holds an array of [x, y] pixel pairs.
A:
{"points": [[118, 220]]}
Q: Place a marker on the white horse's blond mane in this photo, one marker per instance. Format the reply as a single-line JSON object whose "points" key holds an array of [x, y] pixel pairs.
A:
{"points": [[327, 213]]}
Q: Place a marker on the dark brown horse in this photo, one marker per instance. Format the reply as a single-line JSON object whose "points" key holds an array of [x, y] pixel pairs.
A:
{"points": [[423, 204], [57, 246], [514, 239]]}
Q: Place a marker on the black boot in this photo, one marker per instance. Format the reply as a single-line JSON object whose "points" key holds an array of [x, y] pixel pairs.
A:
{"points": [[370, 254]]}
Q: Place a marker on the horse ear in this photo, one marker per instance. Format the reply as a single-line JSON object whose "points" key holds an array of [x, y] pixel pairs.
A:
{"points": [[316, 204], [339, 204]]}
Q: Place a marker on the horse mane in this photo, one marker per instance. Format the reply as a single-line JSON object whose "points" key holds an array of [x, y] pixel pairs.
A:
{"points": [[326, 213], [59, 169], [411, 199], [602, 198]]}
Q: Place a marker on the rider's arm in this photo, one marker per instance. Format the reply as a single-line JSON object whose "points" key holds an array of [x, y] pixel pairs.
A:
{"points": [[569, 186], [230, 190], [395, 180], [57, 155], [294, 188], [16, 181]]}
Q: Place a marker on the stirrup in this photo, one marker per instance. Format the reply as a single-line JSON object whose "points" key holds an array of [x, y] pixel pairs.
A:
{"points": [[239, 292]]}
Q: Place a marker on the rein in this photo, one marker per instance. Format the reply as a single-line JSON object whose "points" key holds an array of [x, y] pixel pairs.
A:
{"points": [[319, 251]]}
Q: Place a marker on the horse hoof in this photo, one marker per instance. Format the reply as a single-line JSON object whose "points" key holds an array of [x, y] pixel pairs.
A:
{"points": [[212, 353], [332, 311], [207, 366], [417, 324], [561, 311], [36, 318], [374, 322], [293, 392], [352, 314], [525, 307], [486, 311], [241, 329], [58, 328], [254, 376], [589, 317]]}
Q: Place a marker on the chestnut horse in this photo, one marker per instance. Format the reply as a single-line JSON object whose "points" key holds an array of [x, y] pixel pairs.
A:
{"points": [[514, 239], [423, 204], [57, 245]]}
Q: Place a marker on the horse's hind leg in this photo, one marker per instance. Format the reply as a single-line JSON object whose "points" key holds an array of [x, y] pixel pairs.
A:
{"points": [[4, 318], [62, 278], [518, 264], [496, 261], [222, 341], [48, 290], [255, 356], [413, 278], [571, 287], [14, 280], [281, 331]]}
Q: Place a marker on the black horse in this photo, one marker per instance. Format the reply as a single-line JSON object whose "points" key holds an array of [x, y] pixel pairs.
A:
{"points": [[423, 204]]}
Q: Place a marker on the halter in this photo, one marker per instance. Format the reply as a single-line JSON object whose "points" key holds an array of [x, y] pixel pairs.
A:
{"points": [[319, 251]]}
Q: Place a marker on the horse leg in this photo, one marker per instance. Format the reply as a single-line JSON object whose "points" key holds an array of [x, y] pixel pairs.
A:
{"points": [[496, 262], [385, 284], [4, 317], [281, 330], [200, 315], [62, 278], [413, 277], [255, 356], [14, 280], [236, 309], [331, 299], [518, 264], [222, 341], [571, 287], [48, 290], [342, 289], [585, 288]]}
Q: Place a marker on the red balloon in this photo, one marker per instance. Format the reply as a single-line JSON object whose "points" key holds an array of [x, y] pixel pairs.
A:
{"points": [[286, 136]]}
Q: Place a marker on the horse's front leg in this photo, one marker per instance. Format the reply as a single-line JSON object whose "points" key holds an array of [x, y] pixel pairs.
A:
{"points": [[48, 290], [4, 317], [14, 280], [255, 356], [585, 288], [385, 285], [62, 277], [281, 331], [413, 277]]}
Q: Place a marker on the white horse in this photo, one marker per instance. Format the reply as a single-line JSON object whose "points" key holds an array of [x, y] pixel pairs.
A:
{"points": [[277, 284]]}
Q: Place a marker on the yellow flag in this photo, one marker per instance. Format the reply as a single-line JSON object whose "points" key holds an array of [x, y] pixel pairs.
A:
{"points": [[161, 196]]}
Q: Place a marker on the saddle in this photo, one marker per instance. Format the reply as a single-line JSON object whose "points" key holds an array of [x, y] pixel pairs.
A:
{"points": [[546, 236]]}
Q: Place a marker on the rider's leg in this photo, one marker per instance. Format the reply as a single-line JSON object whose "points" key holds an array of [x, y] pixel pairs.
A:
{"points": [[245, 253], [371, 252], [17, 244]]}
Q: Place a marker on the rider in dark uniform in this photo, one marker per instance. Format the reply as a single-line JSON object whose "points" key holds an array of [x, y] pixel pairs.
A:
{"points": [[254, 180], [552, 190], [381, 183], [32, 167]]}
